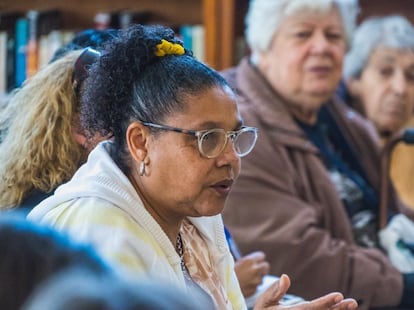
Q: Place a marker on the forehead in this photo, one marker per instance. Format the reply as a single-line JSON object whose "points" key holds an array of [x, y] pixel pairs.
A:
{"points": [[214, 107], [329, 18], [392, 56]]}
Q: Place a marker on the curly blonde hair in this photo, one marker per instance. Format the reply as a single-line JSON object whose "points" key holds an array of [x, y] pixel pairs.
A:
{"points": [[37, 150]]}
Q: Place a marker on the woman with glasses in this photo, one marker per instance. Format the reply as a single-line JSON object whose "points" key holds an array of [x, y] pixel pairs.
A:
{"points": [[150, 200]]}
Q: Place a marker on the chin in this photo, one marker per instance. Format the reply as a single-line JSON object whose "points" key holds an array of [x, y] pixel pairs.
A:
{"points": [[211, 210]]}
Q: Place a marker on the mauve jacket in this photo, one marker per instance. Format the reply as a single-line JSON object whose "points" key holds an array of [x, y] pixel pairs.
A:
{"points": [[285, 204]]}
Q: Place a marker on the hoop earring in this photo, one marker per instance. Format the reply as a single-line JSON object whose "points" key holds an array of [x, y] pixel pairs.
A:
{"points": [[141, 168]]}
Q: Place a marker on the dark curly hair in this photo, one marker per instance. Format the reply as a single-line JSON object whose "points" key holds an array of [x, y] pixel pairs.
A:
{"points": [[129, 83]]}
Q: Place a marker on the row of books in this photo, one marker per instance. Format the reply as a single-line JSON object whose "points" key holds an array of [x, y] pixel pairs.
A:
{"points": [[28, 40], [192, 35]]}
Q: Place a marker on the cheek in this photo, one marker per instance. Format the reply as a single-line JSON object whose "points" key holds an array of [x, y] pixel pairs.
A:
{"points": [[339, 55], [183, 181], [284, 75], [372, 95], [373, 108], [410, 105]]}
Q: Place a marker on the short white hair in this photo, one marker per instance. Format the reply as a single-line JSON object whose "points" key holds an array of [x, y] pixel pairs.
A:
{"points": [[394, 31], [264, 17]]}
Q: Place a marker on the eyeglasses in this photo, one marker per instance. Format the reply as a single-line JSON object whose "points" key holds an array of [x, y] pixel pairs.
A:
{"points": [[212, 142]]}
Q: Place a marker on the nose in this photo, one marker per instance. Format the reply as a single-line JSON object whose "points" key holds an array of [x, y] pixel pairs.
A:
{"points": [[399, 83], [229, 155], [320, 43]]}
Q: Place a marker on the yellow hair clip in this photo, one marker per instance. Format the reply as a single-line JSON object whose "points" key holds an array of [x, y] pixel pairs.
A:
{"points": [[168, 48]]}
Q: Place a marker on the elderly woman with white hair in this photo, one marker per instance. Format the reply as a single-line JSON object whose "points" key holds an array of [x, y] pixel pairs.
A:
{"points": [[308, 195], [379, 74]]}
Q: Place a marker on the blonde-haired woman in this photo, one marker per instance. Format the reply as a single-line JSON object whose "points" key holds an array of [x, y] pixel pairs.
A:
{"points": [[42, 143]]}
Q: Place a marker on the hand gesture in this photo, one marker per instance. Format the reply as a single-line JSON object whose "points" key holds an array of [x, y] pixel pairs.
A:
{"points": [[250, 270], [270, 299]]}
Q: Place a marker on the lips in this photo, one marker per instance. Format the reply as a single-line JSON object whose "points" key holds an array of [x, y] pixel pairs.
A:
{"points": [[223, 187], [320, 69]]}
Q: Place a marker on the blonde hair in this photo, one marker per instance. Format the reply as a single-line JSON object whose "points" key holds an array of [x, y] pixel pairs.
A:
{"points": [[37, 150]]}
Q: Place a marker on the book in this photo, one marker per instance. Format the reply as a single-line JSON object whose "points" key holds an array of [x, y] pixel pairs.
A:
{"points": [[8, 28], [32, 47], [193, 39], [198, 42], [22, 35], [41, 45], [3, 62], [186, 34]]}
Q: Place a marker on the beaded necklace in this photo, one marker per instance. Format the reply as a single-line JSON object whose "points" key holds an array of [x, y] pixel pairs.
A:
{"points": [[180, 250]]}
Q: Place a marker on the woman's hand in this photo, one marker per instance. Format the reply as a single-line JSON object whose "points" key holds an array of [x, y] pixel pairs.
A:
{"points": [[250, 270], [270, 299]]}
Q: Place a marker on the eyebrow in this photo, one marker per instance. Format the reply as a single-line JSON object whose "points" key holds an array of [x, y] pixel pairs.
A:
{"points": [[210, 124]]}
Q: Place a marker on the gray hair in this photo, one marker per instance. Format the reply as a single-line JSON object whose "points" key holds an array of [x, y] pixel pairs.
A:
{"points": [[265, 16], [393, 31]]}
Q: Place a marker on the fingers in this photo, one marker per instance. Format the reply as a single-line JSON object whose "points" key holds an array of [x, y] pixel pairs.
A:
{"points": [[332, 301], [346, 304], [257, 256], [258, 262], [273, 295], [264, 268]]}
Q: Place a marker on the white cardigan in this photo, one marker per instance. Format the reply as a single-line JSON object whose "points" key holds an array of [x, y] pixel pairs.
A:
{"points": [[100, 206]]}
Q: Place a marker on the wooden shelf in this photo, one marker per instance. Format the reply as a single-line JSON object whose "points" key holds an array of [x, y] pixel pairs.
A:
{"points": [[215, 15], [79, 14], [223, 19], [386, 7], [219, 17]]}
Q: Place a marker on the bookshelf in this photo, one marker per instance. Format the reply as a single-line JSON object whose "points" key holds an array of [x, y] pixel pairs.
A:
{"points": [[223, 20], [217, 17]]}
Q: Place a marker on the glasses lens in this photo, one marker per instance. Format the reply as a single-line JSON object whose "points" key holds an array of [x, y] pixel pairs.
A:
{"points": [[244, 141], [212, 142]]}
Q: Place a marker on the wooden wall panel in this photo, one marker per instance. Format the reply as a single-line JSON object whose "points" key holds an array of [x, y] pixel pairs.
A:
{"points": [[385, 7]]}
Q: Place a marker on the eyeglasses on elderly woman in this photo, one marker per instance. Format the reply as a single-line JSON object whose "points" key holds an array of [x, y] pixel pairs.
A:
{"points": [[212, 142]]}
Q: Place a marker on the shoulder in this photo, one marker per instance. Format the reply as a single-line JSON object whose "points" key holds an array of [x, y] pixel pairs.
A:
{"points": [[354, 121], [87, 213]]}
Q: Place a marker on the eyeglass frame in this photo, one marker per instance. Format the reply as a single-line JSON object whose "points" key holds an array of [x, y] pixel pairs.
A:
{"points": [[199, 134]]}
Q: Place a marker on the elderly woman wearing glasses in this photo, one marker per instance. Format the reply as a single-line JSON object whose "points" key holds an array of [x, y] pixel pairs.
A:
{"points": [[150, 200]]}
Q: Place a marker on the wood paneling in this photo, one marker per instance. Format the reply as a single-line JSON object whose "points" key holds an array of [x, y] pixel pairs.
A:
{"points": [[78, 14], [223, 19], [385, 7]]}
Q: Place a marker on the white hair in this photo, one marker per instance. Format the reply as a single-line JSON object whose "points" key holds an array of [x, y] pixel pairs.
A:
{"points": [[392, 31], [265, 16]]}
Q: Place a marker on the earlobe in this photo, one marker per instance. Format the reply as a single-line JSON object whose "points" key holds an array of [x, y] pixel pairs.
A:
{"points": [[79, 138], [136, 138]]}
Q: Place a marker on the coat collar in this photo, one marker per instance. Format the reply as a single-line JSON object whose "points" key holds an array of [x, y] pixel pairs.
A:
{"points": [[273, 112]]}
